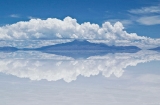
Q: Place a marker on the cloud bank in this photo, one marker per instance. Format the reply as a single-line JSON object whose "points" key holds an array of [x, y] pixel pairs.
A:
{"points": [[38, 66], [69, 28]]}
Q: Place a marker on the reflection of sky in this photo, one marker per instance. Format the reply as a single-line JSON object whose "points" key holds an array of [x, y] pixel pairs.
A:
{"points": [[139, 83], [130, 89], [38, 66]]}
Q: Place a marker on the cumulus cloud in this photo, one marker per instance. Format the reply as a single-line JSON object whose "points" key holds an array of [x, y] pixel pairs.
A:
{"points": [[68, 28], [38, 66]]}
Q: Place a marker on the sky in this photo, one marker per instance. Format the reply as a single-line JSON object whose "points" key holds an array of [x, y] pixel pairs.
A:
{"points": [[36, 23], [71, 17]]}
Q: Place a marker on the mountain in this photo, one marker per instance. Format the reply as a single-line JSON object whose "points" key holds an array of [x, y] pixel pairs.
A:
{"points": [[85, 45], [8, 49], [84, 49], [78, 49]]}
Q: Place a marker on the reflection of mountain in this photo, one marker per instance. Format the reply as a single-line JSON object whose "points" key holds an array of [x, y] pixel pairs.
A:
{"points": [[37, 65], [8, 49], [156, 49]]}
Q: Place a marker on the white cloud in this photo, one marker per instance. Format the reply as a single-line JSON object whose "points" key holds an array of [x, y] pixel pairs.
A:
{"points": [[31, 17], [14, 16], [125, 22], [149, 20], [38, 66], [32, 43], [68, 28], [147, 15], [146, 10]]}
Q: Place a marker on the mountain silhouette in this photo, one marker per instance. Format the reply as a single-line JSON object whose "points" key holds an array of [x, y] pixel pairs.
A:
{"points": [[85, 45], [78, 49], [84, 49]]}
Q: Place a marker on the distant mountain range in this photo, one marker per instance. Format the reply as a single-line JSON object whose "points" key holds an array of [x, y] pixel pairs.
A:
{"points": [[78, 48]]}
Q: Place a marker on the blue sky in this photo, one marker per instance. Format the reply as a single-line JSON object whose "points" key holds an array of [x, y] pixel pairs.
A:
{"points": [[95, 11], [137, 16]]}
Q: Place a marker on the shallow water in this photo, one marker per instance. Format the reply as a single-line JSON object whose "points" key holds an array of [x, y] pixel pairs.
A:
{"points": [[36, 78]]}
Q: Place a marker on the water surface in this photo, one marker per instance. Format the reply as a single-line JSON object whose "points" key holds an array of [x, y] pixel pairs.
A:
{"points": [[36, 78]]}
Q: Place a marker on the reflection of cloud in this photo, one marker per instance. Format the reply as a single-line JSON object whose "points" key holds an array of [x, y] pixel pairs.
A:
{"points": [[151, 78], [32, 43], [68, 28], [52, 67]]}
